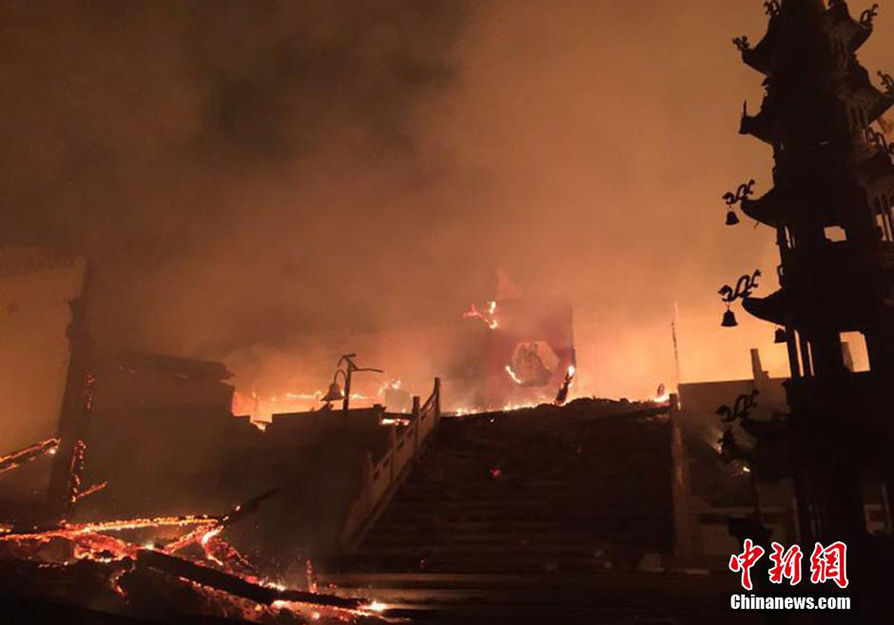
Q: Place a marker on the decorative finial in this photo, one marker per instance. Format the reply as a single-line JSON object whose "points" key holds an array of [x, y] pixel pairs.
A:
{"points": [[728, 295], [879, 140], [742, 43], [772, 8], [741, 409], [745, 285], [867, 17], [745, 191]]}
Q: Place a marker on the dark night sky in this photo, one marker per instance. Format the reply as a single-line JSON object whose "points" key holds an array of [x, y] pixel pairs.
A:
{"points": [[250, 173]]}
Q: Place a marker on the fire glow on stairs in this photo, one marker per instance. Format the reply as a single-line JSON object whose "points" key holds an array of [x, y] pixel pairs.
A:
{"points": [[538, 491], [538, 515]]}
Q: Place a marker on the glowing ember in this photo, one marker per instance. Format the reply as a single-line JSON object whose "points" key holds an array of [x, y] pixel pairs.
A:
{"points": [[90, 490], [510, 407], [514, 407], [311, 397], [394, 421], [18, 458], [562, 395], [72, 531], [513, 375], [76, 469], [310, 578], [209, 535], [260, 409], [488, 316], [231, 584], [662, 395], [374, 606]]}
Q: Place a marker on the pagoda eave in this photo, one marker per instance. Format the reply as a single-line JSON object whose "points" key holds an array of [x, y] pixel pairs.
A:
{"points": [[756, 60], [877, 172], [765, 209], [780, 308], [773, 308], [880, 106], [845, 28], [861, 35], [759, 127], [761, 57]]}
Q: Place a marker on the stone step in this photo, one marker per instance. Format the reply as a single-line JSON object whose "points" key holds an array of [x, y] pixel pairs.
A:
{"points": [[590, 506], [588, 562], [565, 490], [596, 523], [516, 542], [515, 526], [486, 492], [558, 457], [510, 525], [597, 598], [487, 537], [475, 550]]}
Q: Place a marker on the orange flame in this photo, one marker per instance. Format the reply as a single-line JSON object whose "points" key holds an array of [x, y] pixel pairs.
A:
{"points": [[513, 375], [488, 316]]}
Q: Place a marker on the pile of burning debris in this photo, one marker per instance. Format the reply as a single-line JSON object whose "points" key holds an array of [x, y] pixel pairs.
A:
{"points": [[165, 568]]}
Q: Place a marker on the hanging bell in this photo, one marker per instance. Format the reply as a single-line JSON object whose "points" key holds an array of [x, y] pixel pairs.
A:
{"points": [[781, 336], [731, 218], [334, 393], [729, 319]]}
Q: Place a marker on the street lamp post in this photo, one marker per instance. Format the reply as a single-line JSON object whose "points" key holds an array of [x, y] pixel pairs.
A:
{"points": [[346, 367]]}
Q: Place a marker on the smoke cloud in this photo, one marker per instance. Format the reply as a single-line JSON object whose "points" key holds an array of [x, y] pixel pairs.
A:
{"points": [[246, 176]]}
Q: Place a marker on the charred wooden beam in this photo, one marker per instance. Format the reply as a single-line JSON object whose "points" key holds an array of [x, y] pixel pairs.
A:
{"points": [[235, 585], [246, 508], [77, 407], [17, 458]]}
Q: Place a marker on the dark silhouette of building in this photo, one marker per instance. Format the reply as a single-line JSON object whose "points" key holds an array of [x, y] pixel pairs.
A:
{"points": [[831, 209]]}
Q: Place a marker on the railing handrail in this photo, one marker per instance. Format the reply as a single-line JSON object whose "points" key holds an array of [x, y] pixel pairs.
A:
{"points": [[366, 507]]}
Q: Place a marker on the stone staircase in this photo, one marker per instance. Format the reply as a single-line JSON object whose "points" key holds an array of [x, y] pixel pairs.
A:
{"points": [[544, 490], [537, 516]]}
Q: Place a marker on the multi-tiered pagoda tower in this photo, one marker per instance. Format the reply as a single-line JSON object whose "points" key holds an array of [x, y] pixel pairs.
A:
{"points": [[831, 209]]}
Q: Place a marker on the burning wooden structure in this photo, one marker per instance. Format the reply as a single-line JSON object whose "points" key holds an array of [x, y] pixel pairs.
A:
{"points": [[197, 573], [130, 420], [522, 354]]}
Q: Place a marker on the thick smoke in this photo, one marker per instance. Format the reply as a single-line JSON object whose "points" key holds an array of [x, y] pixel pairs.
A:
{"points": [[245, 175]]}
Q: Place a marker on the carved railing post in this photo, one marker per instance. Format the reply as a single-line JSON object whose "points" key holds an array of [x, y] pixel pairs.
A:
{"points": [[867, 17], [374, 497], [417, 423]]}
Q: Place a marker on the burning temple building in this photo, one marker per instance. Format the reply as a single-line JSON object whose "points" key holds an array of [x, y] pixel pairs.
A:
{"points": [[510, 352], [449, 469]]}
